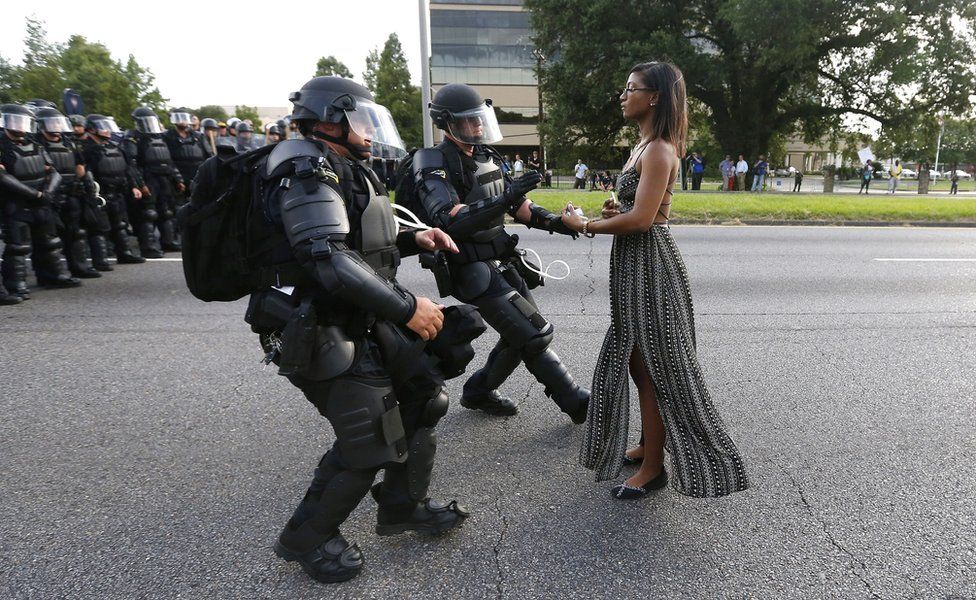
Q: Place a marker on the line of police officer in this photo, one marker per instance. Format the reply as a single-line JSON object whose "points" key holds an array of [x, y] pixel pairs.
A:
{"points": [[79, 189]]}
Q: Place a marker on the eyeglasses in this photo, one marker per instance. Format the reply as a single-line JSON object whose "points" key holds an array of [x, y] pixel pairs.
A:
{"points": [[629, 90]]}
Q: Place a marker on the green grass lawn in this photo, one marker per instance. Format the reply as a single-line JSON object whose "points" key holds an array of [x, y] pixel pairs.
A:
{"points": [[723, 207]]}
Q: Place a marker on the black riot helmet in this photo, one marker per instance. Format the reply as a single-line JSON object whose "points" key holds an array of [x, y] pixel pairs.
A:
{"points": [[50, 120], [274, 130], [208, 123], [77, 120], [243, 127], [459, 110], [16, 120], [101, 126], [36, 103], [349, 104], [146, 120]]}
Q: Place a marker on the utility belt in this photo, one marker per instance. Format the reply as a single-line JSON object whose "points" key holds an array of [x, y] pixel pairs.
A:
{"points": [[498, 245], [165, 169]]}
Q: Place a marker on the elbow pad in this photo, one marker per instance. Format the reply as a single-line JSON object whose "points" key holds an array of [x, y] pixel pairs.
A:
{"points": [[344, 273]]}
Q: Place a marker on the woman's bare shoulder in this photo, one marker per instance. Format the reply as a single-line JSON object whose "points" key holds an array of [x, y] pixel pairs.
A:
{"points": [[659, 154]]}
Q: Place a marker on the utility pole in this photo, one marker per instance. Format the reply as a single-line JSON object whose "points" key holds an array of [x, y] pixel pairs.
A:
{"points": [[538, 86], [425, 71], [938, 144]]}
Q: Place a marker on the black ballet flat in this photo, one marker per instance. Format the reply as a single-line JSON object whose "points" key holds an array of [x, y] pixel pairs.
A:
{"points": [[626, 492], [629, 462]]}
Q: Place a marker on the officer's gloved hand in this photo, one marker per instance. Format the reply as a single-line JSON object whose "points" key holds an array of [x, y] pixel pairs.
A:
{"points": [[47, 199], [517, 189]]}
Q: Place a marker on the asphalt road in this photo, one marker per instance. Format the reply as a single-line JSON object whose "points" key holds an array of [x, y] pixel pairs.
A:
{"points": [[145, 453]]}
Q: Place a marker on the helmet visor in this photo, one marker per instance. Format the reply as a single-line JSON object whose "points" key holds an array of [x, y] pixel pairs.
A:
{"points": [[55, 125], [180, 118], [476, 126], [373, 122], [149, 124], [15, 122], [107, 124]]}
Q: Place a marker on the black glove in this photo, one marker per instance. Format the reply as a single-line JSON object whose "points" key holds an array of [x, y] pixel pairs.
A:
{"points": [[516, 190], [47, 199]]}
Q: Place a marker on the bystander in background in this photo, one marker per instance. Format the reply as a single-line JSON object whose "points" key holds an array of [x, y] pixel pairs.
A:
{"points": [[894, 174]]}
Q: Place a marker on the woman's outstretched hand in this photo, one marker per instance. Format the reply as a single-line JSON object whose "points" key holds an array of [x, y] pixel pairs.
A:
{"points": [[571, 219]]}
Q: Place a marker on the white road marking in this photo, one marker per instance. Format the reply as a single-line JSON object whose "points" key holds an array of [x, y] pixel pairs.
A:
{"points": [[925, 259]]}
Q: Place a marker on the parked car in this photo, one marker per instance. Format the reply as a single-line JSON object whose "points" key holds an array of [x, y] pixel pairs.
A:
{"points": [[959, 172], [909, 174]]}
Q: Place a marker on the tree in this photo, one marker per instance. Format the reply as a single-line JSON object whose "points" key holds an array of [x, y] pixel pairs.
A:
{"points": [[330, 65], [213, 111], [249, 112], [106, 85], [761, 67], [388, 77]]}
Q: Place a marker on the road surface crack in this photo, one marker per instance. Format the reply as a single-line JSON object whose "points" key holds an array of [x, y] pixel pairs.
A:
{"points": [[497, 548], [855, 562], [589, 279]]}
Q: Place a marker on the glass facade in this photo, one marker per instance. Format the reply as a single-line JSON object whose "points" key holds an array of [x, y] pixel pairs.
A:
{"points": [[481, 47]]}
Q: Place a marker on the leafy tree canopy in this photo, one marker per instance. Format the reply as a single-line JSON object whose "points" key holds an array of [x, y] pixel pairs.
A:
{"points": [[762, 68], [330, 65], [388, 77]]}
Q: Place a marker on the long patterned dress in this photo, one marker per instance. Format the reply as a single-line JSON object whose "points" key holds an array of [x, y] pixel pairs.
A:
{"points": [[651, 307]]}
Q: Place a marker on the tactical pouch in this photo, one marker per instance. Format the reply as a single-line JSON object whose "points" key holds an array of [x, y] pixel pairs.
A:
{"points": [[436, 262], [298, 340], [531, 278], [269, 311]]}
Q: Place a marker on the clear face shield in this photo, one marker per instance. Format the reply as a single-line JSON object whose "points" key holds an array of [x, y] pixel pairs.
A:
{"points": [[15, 123], [373, 122], [149, 124], [181, 118], [105, 127], [55, 125], [476, 126]]}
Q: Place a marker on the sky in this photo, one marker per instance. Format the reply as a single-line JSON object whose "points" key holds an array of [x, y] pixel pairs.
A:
{"points": [[223, 52]]}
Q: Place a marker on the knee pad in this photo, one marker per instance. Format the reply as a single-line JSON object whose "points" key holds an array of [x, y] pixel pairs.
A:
{"points": [[49, 243], [366, 419], [19, 249], [515, 319], [149, 214], [539, 344], [436, 408]]}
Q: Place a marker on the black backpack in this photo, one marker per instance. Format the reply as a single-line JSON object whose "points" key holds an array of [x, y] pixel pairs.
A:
{"points": [[216, 227]]}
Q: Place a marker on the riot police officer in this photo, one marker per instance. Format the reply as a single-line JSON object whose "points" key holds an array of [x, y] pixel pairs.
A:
{"points": [[187, 147], [75, 190], [210, 132], [354, 340], [159, 182], [29, 223], [461, 188], [273, 135], [116, 179], [245, 137]]}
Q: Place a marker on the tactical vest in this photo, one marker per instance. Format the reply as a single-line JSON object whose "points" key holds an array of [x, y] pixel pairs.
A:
{"points": [[63, 157], [154, 155], [27, 164], [378, 233], [487, 181], [188, 154], [110, 167]]}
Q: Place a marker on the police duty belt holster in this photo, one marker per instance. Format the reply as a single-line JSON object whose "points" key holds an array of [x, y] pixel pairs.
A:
{"points": [[436, 263], [298, 339]]}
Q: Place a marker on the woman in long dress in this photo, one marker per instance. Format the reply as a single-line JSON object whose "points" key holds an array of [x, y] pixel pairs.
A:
{"points": [[652, 329]]}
